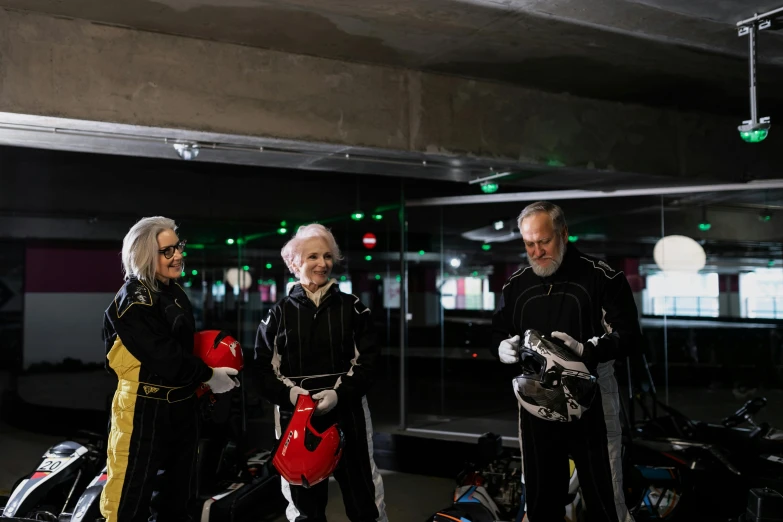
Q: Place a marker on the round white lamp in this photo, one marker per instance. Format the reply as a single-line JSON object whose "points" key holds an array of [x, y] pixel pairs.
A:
{"points": [[679, 254]]}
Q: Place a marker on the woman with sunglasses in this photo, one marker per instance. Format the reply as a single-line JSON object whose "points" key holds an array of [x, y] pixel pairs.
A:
{"points": [[148, 332]]}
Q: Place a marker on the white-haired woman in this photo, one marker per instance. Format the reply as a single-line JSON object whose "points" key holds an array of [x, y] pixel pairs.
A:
{"points": [[148, 331], [322, 340]]}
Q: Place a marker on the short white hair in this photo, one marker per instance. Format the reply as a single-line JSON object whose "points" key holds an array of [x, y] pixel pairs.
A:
{"points": [[554, 211], [140, 249], [292, 251]]}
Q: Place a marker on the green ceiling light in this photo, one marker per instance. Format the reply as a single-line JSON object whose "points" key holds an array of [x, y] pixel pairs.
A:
{"points": [[377, 217], [421, 252], [489, 187], [291, 280], [398, 278], [486, 247], [184, 254], [754, 136], [230, 241], [282, 230], [573, 239], [260, 281], [183, 274], [771, 263], [218, 282], [194, 272], [358, 215], [377, 277], [474, 273], [268, 266], [343, 278], [196, 246], [705, 226], [245, 268], [283, 224], [368, 257]]}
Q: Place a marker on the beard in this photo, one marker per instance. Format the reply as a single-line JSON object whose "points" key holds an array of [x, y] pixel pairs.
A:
{"points": [[554, 264]]}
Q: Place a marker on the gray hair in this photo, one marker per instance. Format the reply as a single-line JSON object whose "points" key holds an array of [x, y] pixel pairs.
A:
{"points": [[292, 251], [140, 249], [554, 211]]}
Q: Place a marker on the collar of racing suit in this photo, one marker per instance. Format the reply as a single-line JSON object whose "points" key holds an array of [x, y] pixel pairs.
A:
{"points": [[302, 294], [316, 296]]}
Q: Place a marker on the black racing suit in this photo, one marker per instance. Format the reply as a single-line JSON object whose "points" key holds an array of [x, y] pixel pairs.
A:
{"points": [[154, 424], [331, 345], [574, 300]]}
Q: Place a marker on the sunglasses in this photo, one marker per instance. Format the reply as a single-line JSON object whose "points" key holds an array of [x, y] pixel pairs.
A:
{"points": [[168, 252]]}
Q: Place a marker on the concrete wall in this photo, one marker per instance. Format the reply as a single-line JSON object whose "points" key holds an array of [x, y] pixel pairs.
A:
{"points": [[77, 69]]}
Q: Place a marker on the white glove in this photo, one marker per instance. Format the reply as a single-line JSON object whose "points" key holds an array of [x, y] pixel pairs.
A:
{"points": [[508, 351], [295, 392], [572, 344], [327, 400], [221, 380]]}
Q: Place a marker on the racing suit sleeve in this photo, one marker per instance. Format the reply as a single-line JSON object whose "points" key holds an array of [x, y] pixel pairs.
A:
{"points": [[354, 385], [274, 385], [622, 316], [502, 322], [147, 338]]}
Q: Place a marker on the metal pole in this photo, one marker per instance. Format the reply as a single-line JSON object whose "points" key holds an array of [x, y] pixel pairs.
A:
{"points": [[387, 291], [758, 17], [442, 326], [238, 290], [240, 278], [403, 307], [752, 44], [665, 325]]}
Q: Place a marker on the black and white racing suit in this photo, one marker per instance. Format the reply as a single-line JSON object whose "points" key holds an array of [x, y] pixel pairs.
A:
{"points": [[586, 299], [331, 345]]}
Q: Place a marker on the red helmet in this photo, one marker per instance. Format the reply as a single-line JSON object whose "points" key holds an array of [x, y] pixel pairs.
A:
{"points": [[218, 349], [305, 457]]}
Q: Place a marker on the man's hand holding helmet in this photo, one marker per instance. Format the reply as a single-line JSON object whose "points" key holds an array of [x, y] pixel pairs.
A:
{"points": [[572, 344], [508, 351], [222, 381]]}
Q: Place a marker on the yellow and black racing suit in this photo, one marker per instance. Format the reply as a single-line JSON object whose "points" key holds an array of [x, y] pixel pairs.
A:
{"points": [[154, 421]]}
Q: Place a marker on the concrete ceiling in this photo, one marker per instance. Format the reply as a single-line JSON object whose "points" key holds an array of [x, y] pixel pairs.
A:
{"points": [[683, 53]]}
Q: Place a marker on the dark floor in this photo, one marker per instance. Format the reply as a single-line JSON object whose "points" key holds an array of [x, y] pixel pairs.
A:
{"points": [[442, 411]]}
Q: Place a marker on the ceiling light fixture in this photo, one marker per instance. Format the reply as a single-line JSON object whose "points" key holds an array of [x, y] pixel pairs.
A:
{"points": [[187, 150], [755, 129]]}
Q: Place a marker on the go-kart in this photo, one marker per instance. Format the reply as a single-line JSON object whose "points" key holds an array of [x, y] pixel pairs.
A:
{"points": [[54, 487], [678, 467], [681, 465], [491, 488], [235, 481]]}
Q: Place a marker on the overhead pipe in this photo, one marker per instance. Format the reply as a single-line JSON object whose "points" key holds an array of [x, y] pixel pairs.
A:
{"points": [[592, 194]]}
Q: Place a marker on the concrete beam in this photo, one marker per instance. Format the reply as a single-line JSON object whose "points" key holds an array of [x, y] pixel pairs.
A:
{"points": [[54, 67]]}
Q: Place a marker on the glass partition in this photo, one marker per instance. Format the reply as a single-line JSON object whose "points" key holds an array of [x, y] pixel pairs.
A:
{"points": [[708, 299]]}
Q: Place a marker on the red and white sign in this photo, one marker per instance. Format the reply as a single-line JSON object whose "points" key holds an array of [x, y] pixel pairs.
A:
{"points": [[369, 240]]}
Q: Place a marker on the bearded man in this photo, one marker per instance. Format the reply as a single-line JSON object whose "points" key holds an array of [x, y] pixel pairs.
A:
{"points": [[589, 306]]}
